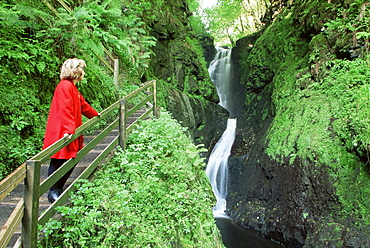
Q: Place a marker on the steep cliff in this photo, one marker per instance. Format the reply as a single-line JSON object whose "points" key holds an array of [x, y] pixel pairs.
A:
{"points": [[185, 87], [299, 169]]}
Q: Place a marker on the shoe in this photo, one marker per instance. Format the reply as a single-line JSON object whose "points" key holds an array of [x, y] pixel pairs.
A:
{"points": [[53, 195]]}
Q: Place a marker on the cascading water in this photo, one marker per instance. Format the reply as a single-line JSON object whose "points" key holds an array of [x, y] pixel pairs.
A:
{"points": [[217, 167], [220, 73], [233, 236]]}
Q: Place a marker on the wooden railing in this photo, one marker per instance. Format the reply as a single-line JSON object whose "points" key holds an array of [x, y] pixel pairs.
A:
{"points": [[27, 209], [6, 186]]}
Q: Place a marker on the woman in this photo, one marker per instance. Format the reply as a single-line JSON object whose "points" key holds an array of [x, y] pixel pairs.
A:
{"points": [[64, 117]]}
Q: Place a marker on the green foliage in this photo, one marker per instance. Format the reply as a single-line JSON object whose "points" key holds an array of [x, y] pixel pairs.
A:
{"points": [[344, 23], [289, 53], [34, 41], [320, 104], [348, 85], [352, 16], [196, 22], [326, 123], [197, 84], [347, 89], [230, 20], [22, 100], [154, 194]]}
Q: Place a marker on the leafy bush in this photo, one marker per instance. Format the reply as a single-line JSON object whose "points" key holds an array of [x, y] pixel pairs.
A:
{"points": [[154, 194]]}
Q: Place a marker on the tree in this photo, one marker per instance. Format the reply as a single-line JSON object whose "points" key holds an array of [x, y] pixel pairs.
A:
{"points": [[230, 20]]}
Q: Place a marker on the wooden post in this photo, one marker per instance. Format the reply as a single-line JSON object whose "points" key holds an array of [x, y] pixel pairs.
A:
{"points": [[122, 124], [116, 71], [155, 112], [31, 204]]}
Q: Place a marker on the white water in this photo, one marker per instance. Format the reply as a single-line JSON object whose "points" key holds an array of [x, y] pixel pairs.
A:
{"points": [[217, 167], [220, 73]]}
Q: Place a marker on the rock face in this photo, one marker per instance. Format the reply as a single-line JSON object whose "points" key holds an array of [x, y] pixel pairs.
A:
{"points": [[290, 199], [277, 185], [206, 121], [188, 92], [278, 198]]}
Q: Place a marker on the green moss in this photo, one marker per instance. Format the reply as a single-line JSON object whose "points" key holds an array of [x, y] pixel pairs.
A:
{"points": [[321, 109]]}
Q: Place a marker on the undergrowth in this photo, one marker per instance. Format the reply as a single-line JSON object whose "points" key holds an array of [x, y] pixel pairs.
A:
{"points": [[153, 194]]}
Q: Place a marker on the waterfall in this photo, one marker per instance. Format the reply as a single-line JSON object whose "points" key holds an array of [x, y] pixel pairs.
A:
{"points": [[217, 167], [219, 71]]}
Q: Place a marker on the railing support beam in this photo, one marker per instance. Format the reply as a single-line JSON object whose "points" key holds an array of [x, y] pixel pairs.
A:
{"points": [[116, 73], [122, 124], [31, 204], [155, 110]]}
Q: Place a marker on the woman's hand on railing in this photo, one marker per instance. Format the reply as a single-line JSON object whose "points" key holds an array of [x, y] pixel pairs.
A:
{"points": [[69, 136]]}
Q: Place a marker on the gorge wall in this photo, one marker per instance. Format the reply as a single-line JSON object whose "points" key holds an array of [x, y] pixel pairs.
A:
{"points": [[185, 87], [296, 171], [291, 169]]}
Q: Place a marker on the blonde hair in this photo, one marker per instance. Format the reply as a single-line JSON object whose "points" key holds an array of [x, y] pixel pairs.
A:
{"points": [[72, 69]]}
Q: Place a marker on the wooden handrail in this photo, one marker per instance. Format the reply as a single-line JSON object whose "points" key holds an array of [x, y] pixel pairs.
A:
{"points": [[12, 223], [27, 209], [12, 180]]}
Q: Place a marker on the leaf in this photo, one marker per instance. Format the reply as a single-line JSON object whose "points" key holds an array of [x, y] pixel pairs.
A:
{"points": [[361, 35], [81, 13], [41, 66]]}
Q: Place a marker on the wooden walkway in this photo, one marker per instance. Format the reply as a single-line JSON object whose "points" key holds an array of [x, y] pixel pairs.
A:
{"points": [[9, 203]]}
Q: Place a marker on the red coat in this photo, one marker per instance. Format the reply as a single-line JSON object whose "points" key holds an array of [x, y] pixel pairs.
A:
{"points": [[65, 116]]}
